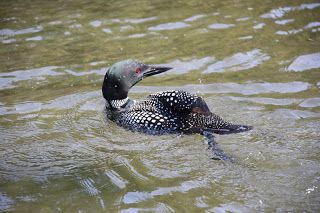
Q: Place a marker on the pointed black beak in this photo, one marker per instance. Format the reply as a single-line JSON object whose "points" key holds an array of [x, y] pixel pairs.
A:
{"points": [[154, 70]]}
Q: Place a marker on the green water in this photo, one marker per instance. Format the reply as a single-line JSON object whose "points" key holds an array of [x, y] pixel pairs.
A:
{"points": [[254, 62]]}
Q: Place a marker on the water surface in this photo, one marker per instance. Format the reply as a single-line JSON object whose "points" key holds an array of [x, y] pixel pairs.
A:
{"points": [[254, 63]]}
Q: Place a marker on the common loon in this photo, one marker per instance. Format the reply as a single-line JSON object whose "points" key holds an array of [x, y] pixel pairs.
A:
{"points": [[173, 111]]}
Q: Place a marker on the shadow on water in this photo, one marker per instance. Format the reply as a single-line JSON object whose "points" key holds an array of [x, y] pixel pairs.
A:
{"points": [[253, 63]]}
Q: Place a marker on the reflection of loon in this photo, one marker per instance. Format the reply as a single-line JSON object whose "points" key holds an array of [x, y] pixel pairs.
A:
{"points": [[159, 113]]}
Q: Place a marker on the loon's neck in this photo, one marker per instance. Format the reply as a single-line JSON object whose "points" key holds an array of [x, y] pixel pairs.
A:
{"points": [[121, 103]]}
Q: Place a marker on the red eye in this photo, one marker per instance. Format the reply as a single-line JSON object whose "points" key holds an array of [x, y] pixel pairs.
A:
{"points": [[138, 70]]}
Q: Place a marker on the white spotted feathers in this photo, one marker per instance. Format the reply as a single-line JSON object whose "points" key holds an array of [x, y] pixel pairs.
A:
{"points": [[159, 112], [176, 100], [171, 111]]}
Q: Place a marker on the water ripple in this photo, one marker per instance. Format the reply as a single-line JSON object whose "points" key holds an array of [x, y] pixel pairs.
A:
{"points": [[124, 161], [281, 11], [310, 102], [169, 26], [195, 17], [289, 32], [312, 24], [35, 38], [139, 35], [140, 20], [8, 78], [96, 23], [10, 32], [239, 61], [269, 101], [305, 62], [160, 207], [245, 89], [259, 26], [88, 185], [59, 152], [243, 19], [220, 26], [116, 179], [5, 202], [136, 197], [107, 30], [294, 114], [284, 21], [182, 67]]}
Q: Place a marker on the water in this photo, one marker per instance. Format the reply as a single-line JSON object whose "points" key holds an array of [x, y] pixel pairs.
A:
{"points": [[254, 63]]}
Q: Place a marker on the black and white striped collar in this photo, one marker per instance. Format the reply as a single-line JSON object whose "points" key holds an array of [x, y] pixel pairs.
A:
{"points": [[117, 104]]}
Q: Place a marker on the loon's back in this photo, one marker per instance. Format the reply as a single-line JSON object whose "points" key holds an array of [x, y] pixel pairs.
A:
{"points": [[172, 112]]}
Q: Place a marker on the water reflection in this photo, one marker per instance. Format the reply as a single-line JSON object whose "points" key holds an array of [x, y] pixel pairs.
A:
{"points": [[35, 38], [160, 207], [244, 89], [310, 102], [284, 21], [289, 32], [220, 26], [239, 61], [243, 19], [195, 17], [126, 27], [312, 24], [88, 185], [253, 63], [294, 114], [305, 62], [5, 202], [246, 37], [96, 23], [137, 35], [169, 26], [259, 26], [10, 32], [140, 20], [116, 179], [8, 79], [9, 41], [183, 67], [7, 34], [268, 101], [282, 11], [55, 22], [67, 33], [230, 207], [107, 30], [135, 197], [27, 108]]}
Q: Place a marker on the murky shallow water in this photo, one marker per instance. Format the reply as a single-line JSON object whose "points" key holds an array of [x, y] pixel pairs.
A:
{"points": [[254, 63]]}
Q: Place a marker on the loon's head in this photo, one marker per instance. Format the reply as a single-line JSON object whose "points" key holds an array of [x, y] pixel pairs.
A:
{"points": [[123, 75]]}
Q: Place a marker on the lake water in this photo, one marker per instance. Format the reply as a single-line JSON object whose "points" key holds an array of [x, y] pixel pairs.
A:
{"points": [[254, 62]]}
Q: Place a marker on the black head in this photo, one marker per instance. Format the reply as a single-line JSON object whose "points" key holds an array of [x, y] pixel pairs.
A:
{"points": [[123, 75]]}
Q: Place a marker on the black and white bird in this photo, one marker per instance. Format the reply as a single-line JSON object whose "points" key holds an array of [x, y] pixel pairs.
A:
{"points": [[173, 111]]}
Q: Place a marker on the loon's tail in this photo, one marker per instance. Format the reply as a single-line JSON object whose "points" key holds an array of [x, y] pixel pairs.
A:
{"points": [[210, 122]]}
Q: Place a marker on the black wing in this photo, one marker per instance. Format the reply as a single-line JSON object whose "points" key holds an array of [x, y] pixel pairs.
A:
{"points": [[180, 102]]}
